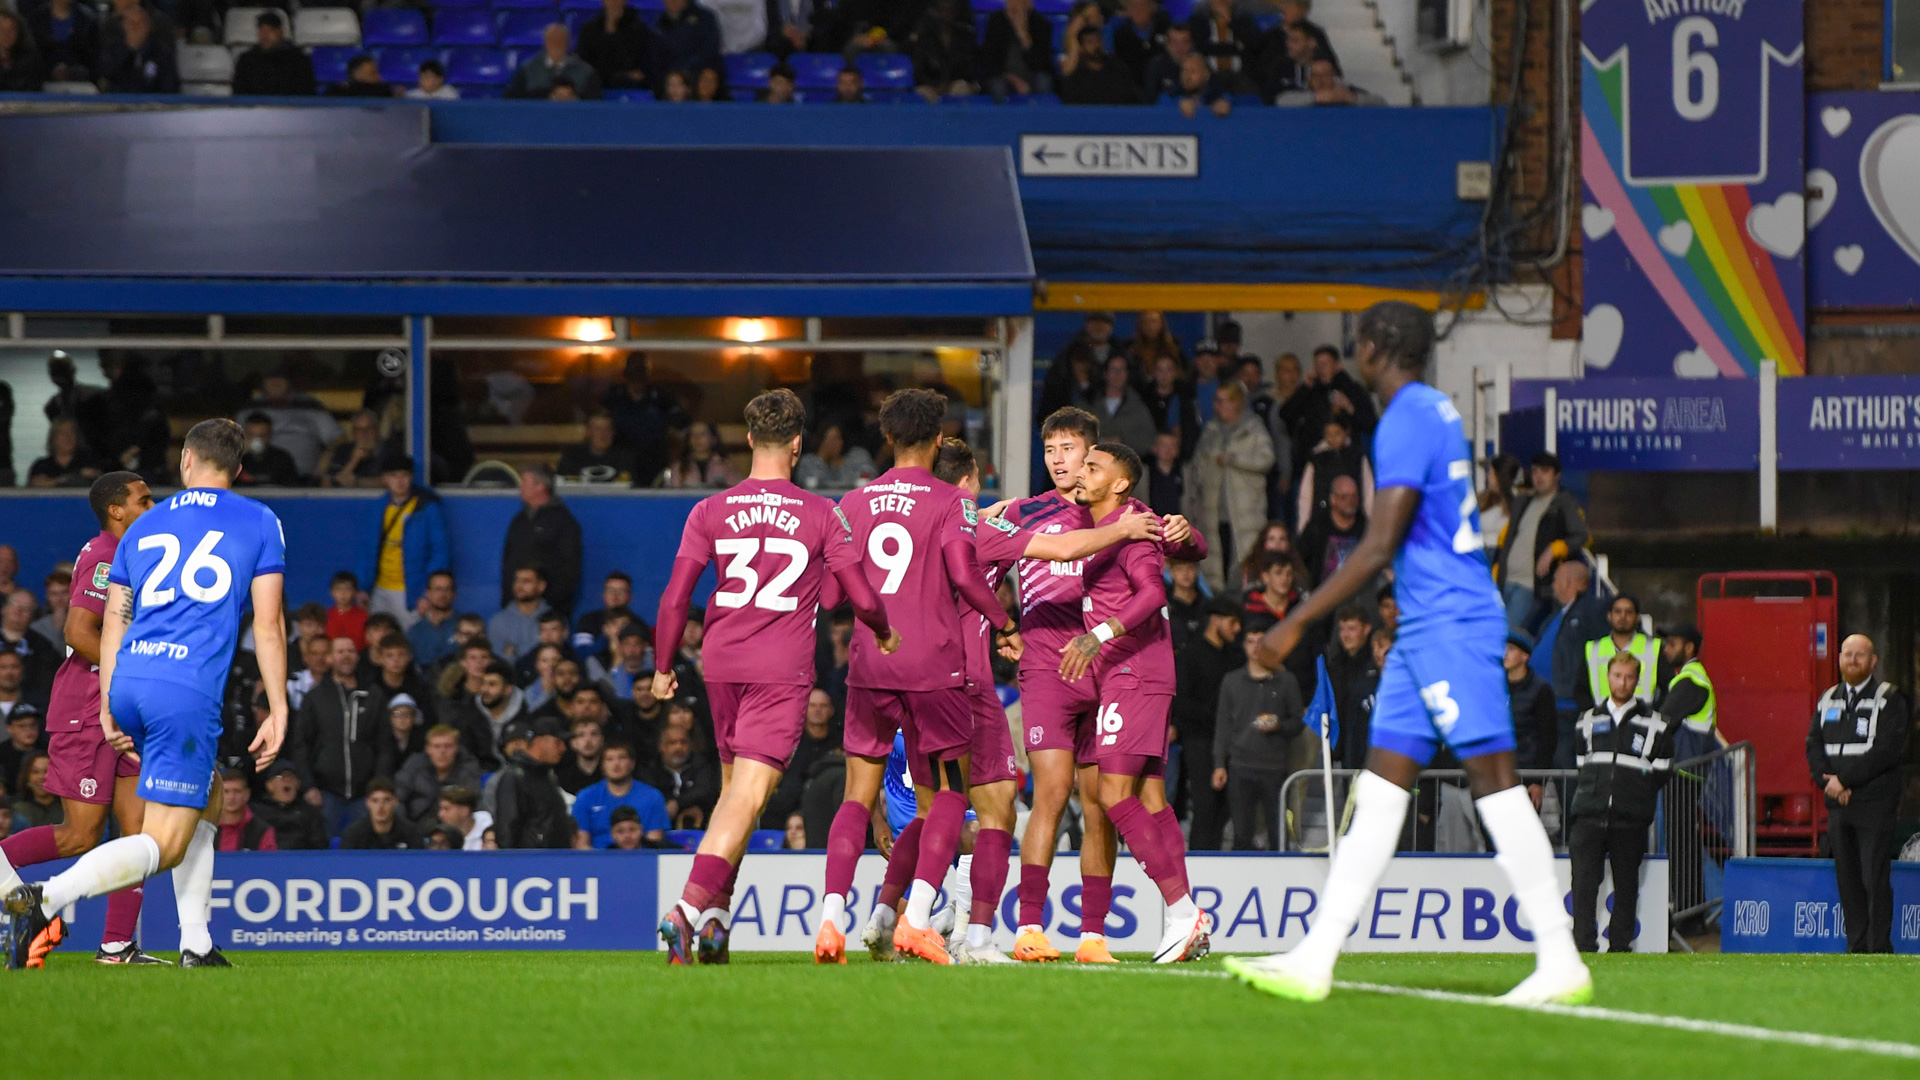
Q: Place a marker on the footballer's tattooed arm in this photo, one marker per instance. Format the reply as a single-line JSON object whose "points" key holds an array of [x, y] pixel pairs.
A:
{"points": [[1077, 655]]}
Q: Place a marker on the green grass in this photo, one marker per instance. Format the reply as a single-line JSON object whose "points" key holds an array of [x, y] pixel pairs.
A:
{"points": [[772, 1016]]}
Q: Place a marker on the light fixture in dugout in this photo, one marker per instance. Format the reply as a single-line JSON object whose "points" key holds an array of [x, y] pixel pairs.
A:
{"points": [[600, 329], [748, 330]]}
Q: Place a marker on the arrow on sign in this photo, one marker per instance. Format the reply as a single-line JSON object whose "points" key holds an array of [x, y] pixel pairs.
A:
{"points": [[1041, 153]]}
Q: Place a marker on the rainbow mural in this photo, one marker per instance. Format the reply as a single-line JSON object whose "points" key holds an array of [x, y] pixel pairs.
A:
{"points": [[1692, 279]]}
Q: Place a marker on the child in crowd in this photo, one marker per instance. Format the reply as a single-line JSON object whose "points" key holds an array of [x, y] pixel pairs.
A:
{"points": [[347, 618]]}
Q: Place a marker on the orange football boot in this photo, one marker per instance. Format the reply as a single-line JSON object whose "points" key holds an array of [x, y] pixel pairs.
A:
{"points": [[926, 944], [1093, 950], [1032, 947], [45, 941], [830, 945]]}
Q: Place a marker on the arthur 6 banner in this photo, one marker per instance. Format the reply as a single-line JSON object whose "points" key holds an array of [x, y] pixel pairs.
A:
{"points": [[1694, 213]]}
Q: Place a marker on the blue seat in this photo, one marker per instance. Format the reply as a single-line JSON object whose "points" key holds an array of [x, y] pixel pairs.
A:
{"points": [[591, 6], [767, 840], [686, 838], [892, 97], [816, 70], [393, 26], [1266, 22], [1178, 10], [330, 63], [477, 67], [479, 92], [633, 97], [401, 65], [463, 26], [980, 25], [1059, 28], [886, 71], [749, 68], [523, 5], [524, 27], [1053, 7], [440, 4]]}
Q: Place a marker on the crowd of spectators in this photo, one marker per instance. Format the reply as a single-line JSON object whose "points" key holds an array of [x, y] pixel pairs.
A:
{"points": [[1133, 52]]}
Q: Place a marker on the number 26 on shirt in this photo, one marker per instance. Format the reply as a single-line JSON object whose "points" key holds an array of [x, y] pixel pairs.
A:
{"points": [[201, 562]]}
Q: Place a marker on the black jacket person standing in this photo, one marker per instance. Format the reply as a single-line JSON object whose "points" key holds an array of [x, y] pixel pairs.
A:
{"points": [[1854, 747], [529, 810], [1198, 672], [1625, 753], [544, 534]]}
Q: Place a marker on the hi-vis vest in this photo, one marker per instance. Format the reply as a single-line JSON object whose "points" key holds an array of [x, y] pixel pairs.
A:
{"points": [[1695, 672], [1601, 651], [1850, 733]]}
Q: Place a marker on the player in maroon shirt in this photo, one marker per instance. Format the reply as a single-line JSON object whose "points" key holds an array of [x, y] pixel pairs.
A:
{"points": [[775, 543], [88, 774], [1129, 649]]}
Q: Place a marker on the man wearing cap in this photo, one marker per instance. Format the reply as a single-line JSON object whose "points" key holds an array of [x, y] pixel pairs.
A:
{"points": [[274, 67], [529, 809], [514, 739], [1535, 720], [413, 544], [1198, 672]]}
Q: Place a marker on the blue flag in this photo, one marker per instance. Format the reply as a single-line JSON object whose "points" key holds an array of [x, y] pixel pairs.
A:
{"points": [[1322, 715]]}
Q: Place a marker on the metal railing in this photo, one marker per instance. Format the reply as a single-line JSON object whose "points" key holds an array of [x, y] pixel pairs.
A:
{"points": [[1441, 818], [1707, 817]]}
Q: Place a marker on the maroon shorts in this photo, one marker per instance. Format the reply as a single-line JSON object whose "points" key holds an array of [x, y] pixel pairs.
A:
{"points": [[937, 723], [758, 721], [992, 747], [1130, 728], [82, 766], [1057, 714]]}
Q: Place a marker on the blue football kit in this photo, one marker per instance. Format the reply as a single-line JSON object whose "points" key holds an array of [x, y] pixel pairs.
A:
{"points": [[1443, 682], [190, 562], [897, 789]]}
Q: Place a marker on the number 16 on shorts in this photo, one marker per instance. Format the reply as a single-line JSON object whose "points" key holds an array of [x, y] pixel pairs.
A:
{"points": [[1109, 720]]}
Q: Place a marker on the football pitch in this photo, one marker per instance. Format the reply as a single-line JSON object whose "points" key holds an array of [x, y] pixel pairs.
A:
{"points": [[773, 1015]]}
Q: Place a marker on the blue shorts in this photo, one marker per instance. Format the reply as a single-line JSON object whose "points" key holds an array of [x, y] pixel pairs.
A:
{"points": [[1445, 685], [177, 731]]}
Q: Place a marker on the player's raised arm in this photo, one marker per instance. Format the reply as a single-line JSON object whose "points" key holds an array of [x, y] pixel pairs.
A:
{"points": [[1393, 510], [1080, 543], [1149, 596], [1180, 541], [270, 650], [112, 629]]}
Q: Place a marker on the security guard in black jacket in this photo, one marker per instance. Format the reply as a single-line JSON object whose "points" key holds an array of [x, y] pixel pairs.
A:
{"points": [[529, 810], [1853, 750], [1625, 753]]}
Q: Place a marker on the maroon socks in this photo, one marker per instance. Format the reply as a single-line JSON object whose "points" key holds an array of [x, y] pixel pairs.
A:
{"points": [[710, 877], [31, 846], [1096, 897], [1033, 891], [845, 841], [1146, 834], [941, 837], [123, 914], [901, 864]]}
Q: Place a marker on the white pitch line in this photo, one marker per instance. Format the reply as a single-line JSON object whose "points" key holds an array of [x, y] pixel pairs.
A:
{"points": [[1817, 1041]]}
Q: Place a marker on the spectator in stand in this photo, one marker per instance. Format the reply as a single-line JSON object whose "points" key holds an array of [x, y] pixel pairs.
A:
{"points": [[333, 737], [363, 79], [399, 678], [515, 628], [1293, 397], [443, 764], [580, 767], [530, 810], [33, 804], [620, 47], [346, 618], [301, 425], [545, 536], [39, 658], [401, 732], [1264, 405], [275, 67], [595, 804], [1161, 80], [796, 830], [1287, 56], [645, 418], [68, 462], [1536, 728], [616, 600], [1560, 652], [849, 88], [1496, 501], [1187, 606], [22, 70], [1096, 77], [1335, 456], [431, 635], [382, 829], [1201, 89], [1152, 340], [710, 86], [943, 51], [834, 466], [356, 462], [1016, 56], [431, 84], [598, 460], [1166, 482], [1352, 674], [1226, 38], [634, 666], [1274, 536], [461, 686], [316, 657], [689, 782], [1139, 36], [703, 464], [790, 25], [1547, 526], [555, 63], [1279, 590], [414, 544], [1227, 481], [297, 824], [1170, 403], [1334, 532], [1258, 718], [458, 809], [53, 625], [140, 58], [265, 463], [239, 829], [1332, 392], [780, 88], [678, 88], [689, 36], [1293, 15], [499, 702], [1202, 665], [1072, 378], [546, 660], [67, 34], [1326, 87], [624, 831], [818, 741], [23, 724], [1123, 416]]}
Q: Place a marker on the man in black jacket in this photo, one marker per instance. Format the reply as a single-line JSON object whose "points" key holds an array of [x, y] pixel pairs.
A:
{"points": [[529, 809], [1578, 618], [1545, 526], [297, 824], [1535, 723], [1188, 609], [1854, 746], [1625, 756], [544, 535], [332, 737], [1199, 670], [1097, 78], [688, 780], [1351, 670], [621, 47], [384, 828], [275, 67]]}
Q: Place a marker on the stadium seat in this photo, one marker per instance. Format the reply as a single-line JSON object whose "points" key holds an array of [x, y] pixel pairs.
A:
{"points": [[330, 63], [1053, 7], [463, 26], [477, 67], [394, 26], [984, 7], [886, 71], [205, 63], [1266, 22], [241, 29], [686, 838], [635, 97], [767, 840], [1059, 27], [748, 69], [591, 7], [892, 97], [480, 93], [524, 5], [525, 28], [816, 69], [439, 4], [325, 26], [1178, 10], [402, 65]]}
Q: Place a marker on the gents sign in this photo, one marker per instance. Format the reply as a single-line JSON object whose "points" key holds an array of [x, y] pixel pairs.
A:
{"points": [[1850, 422], [1110, 155]]}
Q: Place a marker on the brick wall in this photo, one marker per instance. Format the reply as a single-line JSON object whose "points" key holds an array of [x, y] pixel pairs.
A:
{"points": [[1844, 44]]}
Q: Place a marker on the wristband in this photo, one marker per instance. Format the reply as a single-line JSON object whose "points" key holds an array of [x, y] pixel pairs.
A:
{"points": [[1103, 633]]}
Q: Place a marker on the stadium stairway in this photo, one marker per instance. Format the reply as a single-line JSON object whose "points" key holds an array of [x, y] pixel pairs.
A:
{"points": [[1369, 56]]}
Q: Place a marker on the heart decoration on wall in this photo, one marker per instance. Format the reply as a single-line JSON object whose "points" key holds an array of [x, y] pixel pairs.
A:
{"points": [[1781, 225], [1600, 334], [1890, 176], [1677, 238], [1597, 221]]}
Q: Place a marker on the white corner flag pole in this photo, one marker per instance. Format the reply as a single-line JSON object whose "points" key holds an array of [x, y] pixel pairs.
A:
{"points": [[1326, 774]]}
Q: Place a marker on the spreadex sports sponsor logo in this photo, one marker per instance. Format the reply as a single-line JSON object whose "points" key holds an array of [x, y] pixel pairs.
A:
{"points": [[306, 911]]}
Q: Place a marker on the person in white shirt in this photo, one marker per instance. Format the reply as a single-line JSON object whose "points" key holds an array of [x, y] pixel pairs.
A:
{"points": [[460, 810], [433, 83]]}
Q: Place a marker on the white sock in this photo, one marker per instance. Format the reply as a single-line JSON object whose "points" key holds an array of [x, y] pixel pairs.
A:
{"points": [[1380, 807], [714, 914], [961, 895], [193, 889], [9, 877], [836, 910], [1182, 908], [1526, 855], [113, 865], [920, 904], [978, 936], [881, 917]]}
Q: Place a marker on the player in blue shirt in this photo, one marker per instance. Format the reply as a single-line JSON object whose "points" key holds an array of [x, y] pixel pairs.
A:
{"points": [[1442, 683], [896, 791], [181, 579]]}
